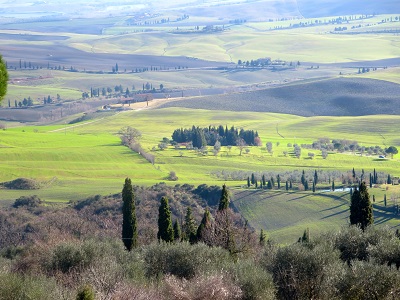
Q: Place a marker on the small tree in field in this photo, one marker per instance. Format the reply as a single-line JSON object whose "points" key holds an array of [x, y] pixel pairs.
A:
{"points": [[129, 223], [269, 147]]}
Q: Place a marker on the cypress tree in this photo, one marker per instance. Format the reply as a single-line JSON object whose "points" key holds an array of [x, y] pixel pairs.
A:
{"points": [[313, 186], [177, 231], [248, 182], [306, 185], [303, 178], [306, 236], [272, 182], [333, 185], [224, 200], [370, 180], [354, 174], [263, 238], [278, 180], [269, 185], [129, 222], [165, 230], [253, 180], [205, 222], [256, 184], [315, 177], [290, 184], [287, 185], [361, 208], [190, 226], [263, 180], [384, 199], [389, 179]]}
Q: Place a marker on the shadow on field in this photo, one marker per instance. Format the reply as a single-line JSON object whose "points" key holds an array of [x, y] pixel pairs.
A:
{"points": [[334, 207], [334, 214], [297, 198]]}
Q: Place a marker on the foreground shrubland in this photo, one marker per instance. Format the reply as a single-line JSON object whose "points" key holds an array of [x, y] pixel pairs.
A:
{"points": [[76, 252]]}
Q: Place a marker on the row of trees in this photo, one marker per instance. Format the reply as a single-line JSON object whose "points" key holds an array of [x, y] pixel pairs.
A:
{"points": [[119, 91], [201, 137], [308, 181], [342, 145]]}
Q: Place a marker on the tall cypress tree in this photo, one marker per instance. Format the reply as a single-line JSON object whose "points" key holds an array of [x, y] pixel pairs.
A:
{"points": [[248, 182], [190, 226], [303, 178], [129, 222], [205, 222], [278, 180], [315, 177], [165, 230], [224, 200], [177, 231], [361, 208], [253, 179]]}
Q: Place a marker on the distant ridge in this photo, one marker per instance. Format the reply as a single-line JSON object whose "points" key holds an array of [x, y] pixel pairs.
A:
{"points": [[326, 8], [332, 97]]}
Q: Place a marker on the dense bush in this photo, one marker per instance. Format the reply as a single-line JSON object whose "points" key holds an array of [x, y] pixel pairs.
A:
{"points": [[183, 259], [29, 201]]}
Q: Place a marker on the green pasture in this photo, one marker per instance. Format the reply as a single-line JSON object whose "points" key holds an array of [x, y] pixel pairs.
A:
{"points": [[86, 159], [285, 215]]}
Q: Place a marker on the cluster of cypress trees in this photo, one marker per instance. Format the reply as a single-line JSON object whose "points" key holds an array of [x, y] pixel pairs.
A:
{"points": [[201, 137], [167, 231]]}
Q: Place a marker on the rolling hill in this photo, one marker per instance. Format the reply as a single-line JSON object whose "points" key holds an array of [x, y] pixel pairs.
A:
{"points": [[330, 97]]}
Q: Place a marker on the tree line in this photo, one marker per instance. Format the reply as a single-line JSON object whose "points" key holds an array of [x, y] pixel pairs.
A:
{"points": [[209, 136]]}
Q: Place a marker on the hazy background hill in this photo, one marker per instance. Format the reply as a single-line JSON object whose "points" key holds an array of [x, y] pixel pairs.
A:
{"points": [[325, 8], [258, 10]]}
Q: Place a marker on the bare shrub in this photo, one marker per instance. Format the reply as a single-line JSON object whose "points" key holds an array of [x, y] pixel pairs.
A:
{"points": [[128, 292], [214, 287]]}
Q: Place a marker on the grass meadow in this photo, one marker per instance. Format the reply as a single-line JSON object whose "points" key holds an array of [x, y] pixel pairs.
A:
{"points": [[285, 215], [88, 159]]}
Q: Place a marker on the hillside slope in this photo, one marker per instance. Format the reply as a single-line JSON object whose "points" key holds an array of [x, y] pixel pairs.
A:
{"points": [[332, 97]]}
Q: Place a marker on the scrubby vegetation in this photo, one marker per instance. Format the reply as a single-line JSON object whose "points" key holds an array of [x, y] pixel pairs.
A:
{"points": [[228, 261]]}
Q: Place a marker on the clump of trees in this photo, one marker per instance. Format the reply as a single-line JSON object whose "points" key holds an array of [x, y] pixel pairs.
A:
{"points": [[209, 136]]}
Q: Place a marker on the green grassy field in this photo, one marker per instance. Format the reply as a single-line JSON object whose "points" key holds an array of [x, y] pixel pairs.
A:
{"points": [[88, 159], [285, 215]]}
